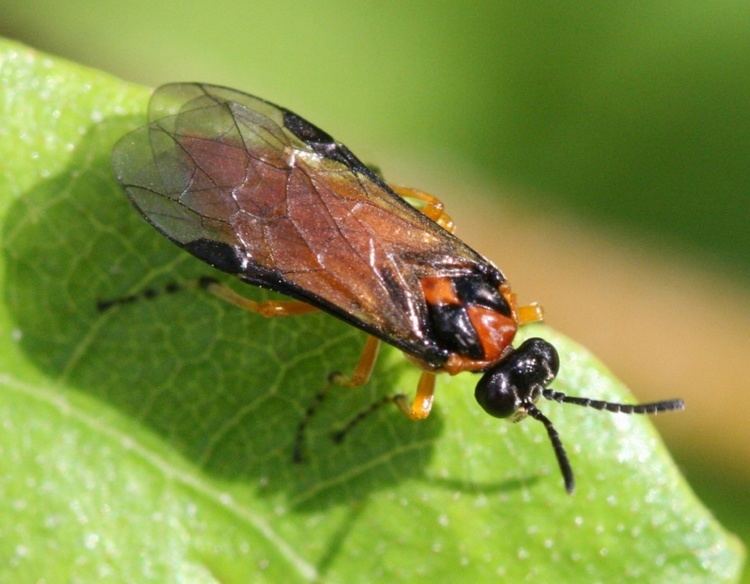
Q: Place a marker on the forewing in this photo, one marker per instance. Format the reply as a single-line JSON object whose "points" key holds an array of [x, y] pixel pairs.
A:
{"points": [[258, 191], [182, 170]]}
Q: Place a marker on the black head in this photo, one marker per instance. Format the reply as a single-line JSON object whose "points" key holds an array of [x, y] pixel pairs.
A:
{"points": [[518, 380], [511, 388]]}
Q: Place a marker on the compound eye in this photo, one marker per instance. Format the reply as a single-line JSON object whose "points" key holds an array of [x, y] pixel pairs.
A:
{"points": [[534, 364], [496, 394], [544, 353]]}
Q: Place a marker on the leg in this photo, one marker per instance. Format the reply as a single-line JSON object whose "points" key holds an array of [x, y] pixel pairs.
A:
{"points": [[267, 308], [419, 408], [363, 371], [359, 377], [527, 313], [530, 313], [434, 208]]}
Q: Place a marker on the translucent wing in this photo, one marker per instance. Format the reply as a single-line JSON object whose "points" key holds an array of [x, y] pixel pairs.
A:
{"points": [[255, 190]]}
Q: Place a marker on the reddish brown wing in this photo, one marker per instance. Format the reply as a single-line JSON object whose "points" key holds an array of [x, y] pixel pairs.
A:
{"points": [[255, 190]]}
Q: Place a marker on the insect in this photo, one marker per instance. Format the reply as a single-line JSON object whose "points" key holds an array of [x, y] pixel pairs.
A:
{"points": [[257, 191]]}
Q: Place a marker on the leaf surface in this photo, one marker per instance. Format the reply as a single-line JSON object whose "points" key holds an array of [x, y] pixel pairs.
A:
{"points": [[152, 442]]}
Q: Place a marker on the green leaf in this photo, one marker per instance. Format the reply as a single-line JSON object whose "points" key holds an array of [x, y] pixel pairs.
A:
{"points": [[152, 442]]}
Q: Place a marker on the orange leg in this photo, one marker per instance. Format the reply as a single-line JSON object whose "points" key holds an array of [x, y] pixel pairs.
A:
{"points": [[421, 406], [363, 371], [433, 208], [361, 375], [530, 313], [267, 308], [527, 313], [418, 409]]}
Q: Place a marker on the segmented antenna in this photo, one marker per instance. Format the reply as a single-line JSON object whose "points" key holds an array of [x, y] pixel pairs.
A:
{"points": [[650, 408], [557, 445], [558, 396]]}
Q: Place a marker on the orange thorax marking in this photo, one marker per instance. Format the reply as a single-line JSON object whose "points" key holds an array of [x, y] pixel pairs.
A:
{"points": [[495, 330], [439, 290]]}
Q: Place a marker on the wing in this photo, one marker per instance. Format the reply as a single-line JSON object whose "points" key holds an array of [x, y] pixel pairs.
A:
{"points": [[257, 191]]}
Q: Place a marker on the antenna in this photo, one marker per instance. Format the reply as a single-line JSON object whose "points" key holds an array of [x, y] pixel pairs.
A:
{"points": [[650, 408], [562, 457], [558, 396]]}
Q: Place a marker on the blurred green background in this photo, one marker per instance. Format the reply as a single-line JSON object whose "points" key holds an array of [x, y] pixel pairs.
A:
{"points": [[633, 119], [636, 116]]}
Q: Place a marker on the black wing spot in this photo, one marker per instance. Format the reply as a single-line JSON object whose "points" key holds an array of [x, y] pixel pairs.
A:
{"points": [[309, 133], [216, 253], [323, 143]]}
